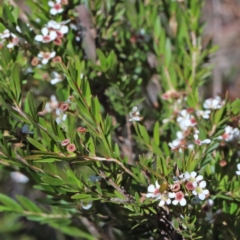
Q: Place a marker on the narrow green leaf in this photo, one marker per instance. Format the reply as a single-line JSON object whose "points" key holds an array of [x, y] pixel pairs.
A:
{"points": [[8, 202], [28, 205], [36, 144]]}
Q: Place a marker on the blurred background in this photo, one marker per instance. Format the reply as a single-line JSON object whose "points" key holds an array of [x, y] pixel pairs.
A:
{"points": [[222, 19]]}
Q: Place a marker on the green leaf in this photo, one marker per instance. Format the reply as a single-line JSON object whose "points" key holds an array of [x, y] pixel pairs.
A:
{"points": [[156, 135], [11, 204], [52, 181], [81, 196], [31, 105], [36, 144], [16, 80], [28, 205]]}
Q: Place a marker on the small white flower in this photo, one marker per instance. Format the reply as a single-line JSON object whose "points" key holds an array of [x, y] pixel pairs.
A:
{"points": [[193, 178], [185, 120], [47, 36], [46, 56], [153, 191], [238, 167], [86, 205], [6, 34], [52, 104], [59, 28], [56, 7], [56, 78], [200, 191], [61, 116], [178, 143], [14, 42], [134, 115], [204, 114], [179, 198], [165, 198], [213, 103], [199, 142], [19, 177]]}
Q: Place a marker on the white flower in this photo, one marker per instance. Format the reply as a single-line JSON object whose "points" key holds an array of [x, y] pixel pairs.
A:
{"points": [[56, 78], [178, 143], [134, 115], [86, 205], [153, 191], [59, 28], [213, 103], [193, 178], [238, 167], [200, 191], [179, 198], [56, 7], [185, 120], [6, 34], [19, 177], [61, 116], [46, 56], [52, 104], [14, 42], [204, 114], [47, 36], [165, 198], [199, 142]]}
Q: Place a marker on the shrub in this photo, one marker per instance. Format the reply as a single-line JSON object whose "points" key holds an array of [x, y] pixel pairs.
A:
{"points": [[101, 108]]}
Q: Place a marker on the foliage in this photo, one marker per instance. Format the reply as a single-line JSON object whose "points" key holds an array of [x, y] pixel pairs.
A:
{"points": [[105, 168]]}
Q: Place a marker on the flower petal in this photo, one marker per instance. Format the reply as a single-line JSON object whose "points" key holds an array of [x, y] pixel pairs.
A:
{"points": [[39, 38], [51, 3], [193, 174], [53, 35], [53, 11], [52, 54], [202, 184], [64, 29], [157, 184], [199, 178], [151, 188], [44, 61], [194, 192], [183, 202], [171, 195], [44, 31], [175, 202], [201, 196], [205, 191], [161, 203]]}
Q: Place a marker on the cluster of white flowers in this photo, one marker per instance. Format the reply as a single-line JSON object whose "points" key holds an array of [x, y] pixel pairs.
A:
{"points": [[52, 31], [230, 134], [193, 184], [188, 125], [54, 106], [213, 103]]}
